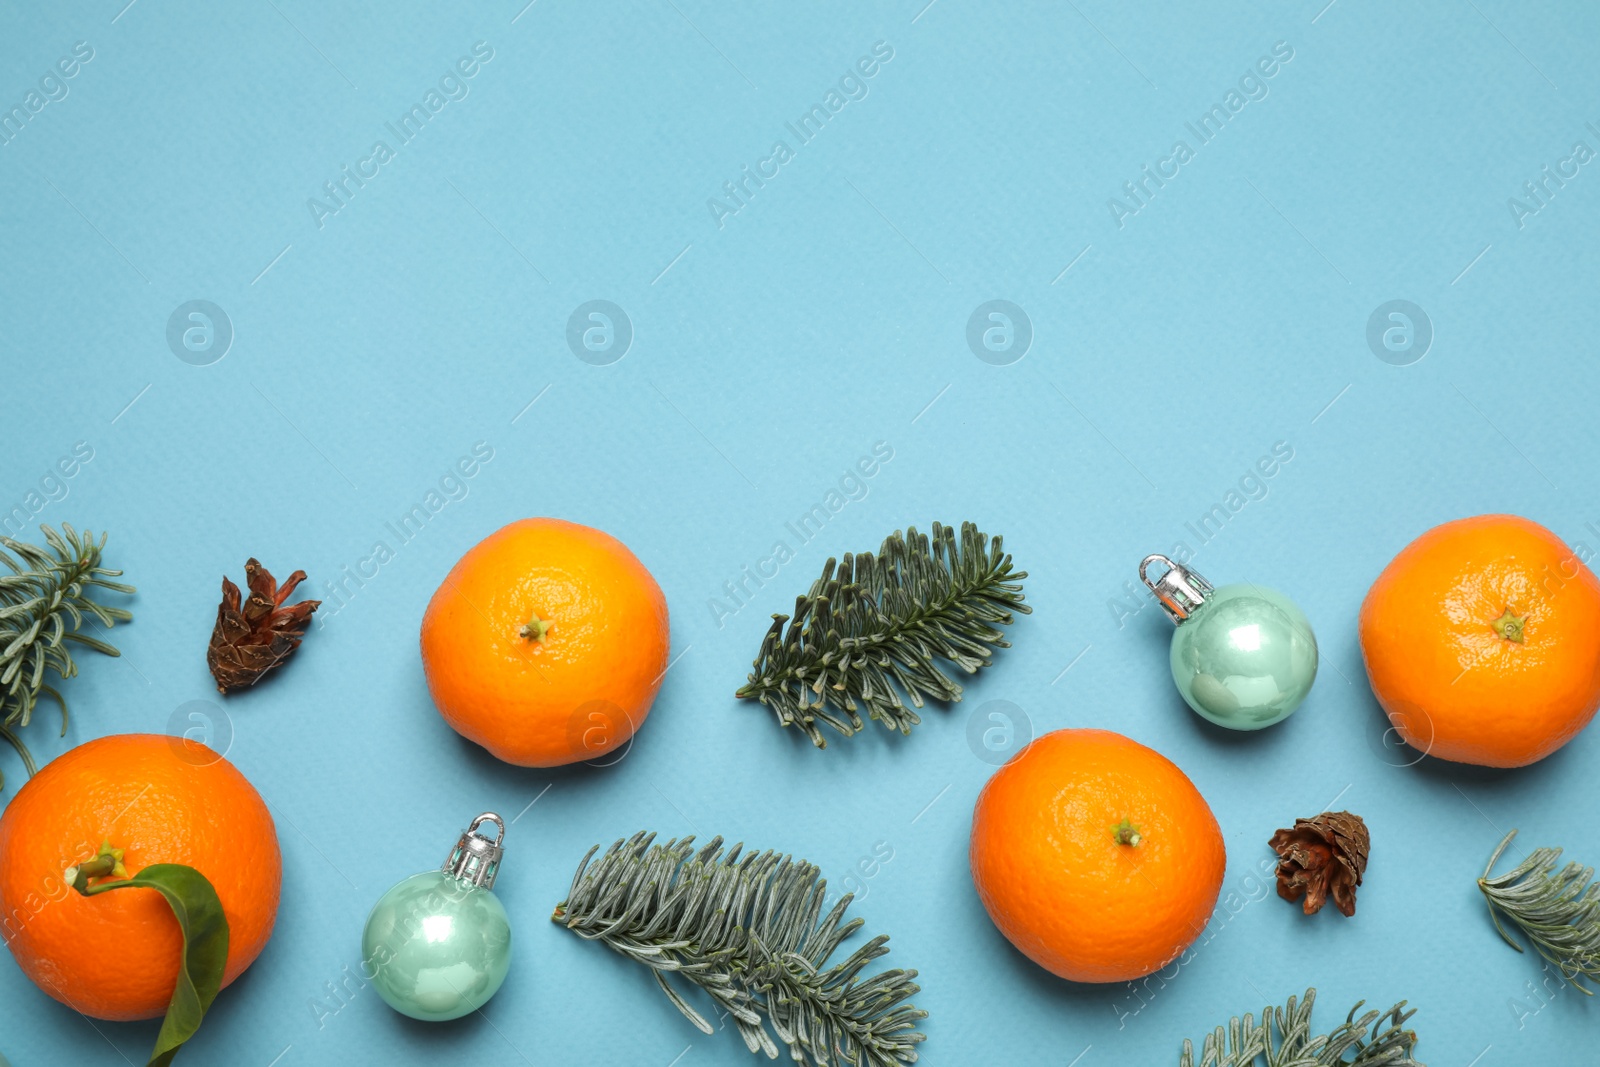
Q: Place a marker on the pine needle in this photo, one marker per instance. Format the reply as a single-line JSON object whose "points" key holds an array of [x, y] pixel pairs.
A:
{"points": [[1557, 911], [877, 625], [1283, 1039], [749, 931], [43, 604]]}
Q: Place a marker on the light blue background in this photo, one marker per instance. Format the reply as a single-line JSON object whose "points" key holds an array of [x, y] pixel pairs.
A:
{"points": [[830, 313]]}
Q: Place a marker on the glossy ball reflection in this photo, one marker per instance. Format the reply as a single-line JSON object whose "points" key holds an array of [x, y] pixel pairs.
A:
{"points": [[1246, 658], [437, 948]]}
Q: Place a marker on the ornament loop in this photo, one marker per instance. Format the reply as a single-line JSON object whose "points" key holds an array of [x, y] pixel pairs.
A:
{"points": [[476, 858], [1180, 591]]}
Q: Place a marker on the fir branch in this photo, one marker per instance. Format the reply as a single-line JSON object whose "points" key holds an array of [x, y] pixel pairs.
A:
{"points": [[878, 622], [749, 931], [1557, 911], [1283, 1039], [43, 603]]}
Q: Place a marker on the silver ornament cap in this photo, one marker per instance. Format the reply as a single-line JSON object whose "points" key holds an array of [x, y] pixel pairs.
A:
{"points": [[1180, 590], [476, 857]]}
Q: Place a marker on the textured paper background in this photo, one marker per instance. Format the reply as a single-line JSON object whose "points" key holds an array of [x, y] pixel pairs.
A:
{"points": [[1171, 348]]}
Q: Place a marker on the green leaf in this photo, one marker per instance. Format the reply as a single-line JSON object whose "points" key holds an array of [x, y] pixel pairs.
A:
{"points": [[205, 948]]}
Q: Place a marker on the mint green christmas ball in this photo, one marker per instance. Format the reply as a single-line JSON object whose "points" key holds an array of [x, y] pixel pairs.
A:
{"points": [[1245, 658], [437, 948]]}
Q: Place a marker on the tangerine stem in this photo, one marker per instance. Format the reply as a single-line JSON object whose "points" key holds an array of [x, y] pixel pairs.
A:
{"points": [[106, 864], [536, 628], [1125, 833], [1509, 626], [99, 867]]}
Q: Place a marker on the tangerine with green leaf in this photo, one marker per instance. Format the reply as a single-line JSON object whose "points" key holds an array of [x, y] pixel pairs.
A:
{"points": [[130, 802], [1096, 856]]}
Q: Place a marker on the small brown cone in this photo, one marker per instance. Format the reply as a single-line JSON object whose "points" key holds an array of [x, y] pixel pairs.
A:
{"points": [[1322, 855], [252, 637]]}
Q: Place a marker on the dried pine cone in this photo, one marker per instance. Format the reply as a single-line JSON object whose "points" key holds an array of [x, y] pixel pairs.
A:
{"points": [[1322, 855], [250, 640]]}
